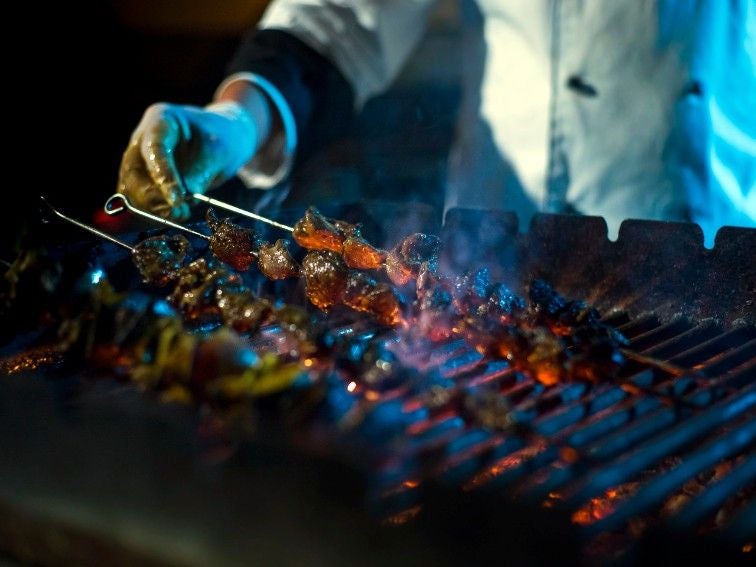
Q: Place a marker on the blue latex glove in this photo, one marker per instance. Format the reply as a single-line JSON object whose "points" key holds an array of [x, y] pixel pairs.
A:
{"points": [[177, 148]]}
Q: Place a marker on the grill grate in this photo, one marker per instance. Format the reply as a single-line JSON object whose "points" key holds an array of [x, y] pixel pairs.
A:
{"points": [[575, 446]]}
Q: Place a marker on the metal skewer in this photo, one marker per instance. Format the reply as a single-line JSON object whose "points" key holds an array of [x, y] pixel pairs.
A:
{"points": [[237, 210], [86, 227], [118, 203]]}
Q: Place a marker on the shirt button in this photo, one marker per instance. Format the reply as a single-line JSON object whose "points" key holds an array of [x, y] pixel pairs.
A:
{"points": [[576, 84]]}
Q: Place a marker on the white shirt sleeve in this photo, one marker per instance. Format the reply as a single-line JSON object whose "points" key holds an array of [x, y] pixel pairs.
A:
{"points": [[368, 40]]}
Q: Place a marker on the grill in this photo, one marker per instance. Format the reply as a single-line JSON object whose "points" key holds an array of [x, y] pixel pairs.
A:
{"points": [[658, 465]]}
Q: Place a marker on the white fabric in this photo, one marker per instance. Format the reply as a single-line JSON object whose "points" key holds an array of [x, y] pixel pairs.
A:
{"points": [[670, 132]]}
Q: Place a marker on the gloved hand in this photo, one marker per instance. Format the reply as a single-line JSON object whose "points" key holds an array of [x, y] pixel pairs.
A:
{"points": [[176, 149]]}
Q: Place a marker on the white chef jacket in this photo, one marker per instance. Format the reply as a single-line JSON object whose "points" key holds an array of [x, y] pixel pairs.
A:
{"points": [[618, 108]]}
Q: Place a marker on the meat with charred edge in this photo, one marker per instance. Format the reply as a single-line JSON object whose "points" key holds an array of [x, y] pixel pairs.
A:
{"points": [[275, 261], [405, 260], [159, 258], [325, 275], [207, 295], [232, 244], [553, 339], [419, 247], [360, 254], [364, 294], [315, 232]]}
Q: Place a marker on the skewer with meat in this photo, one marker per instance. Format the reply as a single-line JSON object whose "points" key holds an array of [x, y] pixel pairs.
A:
{"points": [[208, 295], [364, 294], [325, 275], [360, 254], [275, 261], [315, 232], [232, 244], [404, 262], [159, 258]]}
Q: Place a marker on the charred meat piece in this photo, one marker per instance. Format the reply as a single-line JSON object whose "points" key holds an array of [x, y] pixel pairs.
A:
{"points": [[399, 272], [360, 254], [325, 275], [315, 232], [346, 228], [159, 258], [364, 294], [188, 279], [501, 302], [275, 261], [404, 261], [232, 244], [418, 248], [242, 311], [471, 290], [198, 290], [491, 338], [545, 300], [546, 359]]}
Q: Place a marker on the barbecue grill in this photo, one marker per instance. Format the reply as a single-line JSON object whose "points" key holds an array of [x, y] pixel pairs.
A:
{"points": [[656, 466]]}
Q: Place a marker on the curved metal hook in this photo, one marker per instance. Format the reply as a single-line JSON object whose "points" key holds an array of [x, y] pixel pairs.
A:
{"points": [[86, 227], [111, 208]]}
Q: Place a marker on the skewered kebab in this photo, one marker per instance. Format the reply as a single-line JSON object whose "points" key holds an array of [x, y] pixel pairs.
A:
{"points": [[208, 296], [143, 339], [325, 276], [157, 258], [275, 261], [231, 243], [489, 315], [324, 271], [364, 294], [315, 232]]}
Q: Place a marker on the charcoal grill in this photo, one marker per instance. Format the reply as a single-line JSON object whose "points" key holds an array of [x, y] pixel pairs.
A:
{"points": [[586, 473]]}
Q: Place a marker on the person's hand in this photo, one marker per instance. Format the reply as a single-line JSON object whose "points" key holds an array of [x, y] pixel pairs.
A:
{"points": [[176, 149]]}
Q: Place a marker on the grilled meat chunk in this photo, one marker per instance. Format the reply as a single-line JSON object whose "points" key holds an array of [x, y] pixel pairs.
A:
{"points": [[275, 261], [242, 311], [315, 232], [364, 294], [325, 275], [418, 248], [232, 244], [200, 290], [398, 270], [208, 295], [404, 261], [360, 254], [159, 258]]}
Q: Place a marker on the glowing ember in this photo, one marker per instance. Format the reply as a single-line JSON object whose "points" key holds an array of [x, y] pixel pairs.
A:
{"points": [[505, 464], [403, 517], [31, 359]]}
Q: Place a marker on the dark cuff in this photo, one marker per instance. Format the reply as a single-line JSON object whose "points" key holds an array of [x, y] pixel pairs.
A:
{"points": [[320, 98]]}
